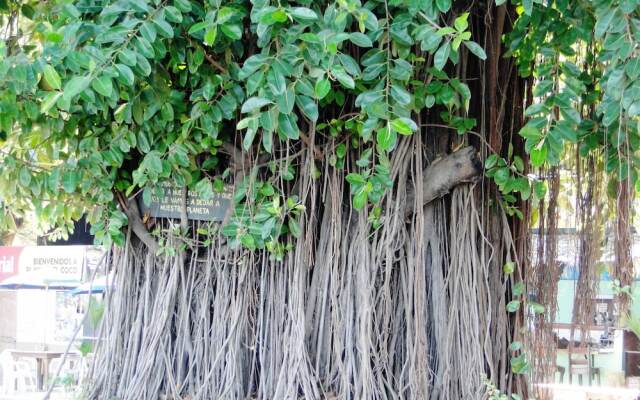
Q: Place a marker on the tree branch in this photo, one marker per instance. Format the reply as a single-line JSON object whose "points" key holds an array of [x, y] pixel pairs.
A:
{"points": [[133, 213], [210, 59], [445, 173], [317, 154]]}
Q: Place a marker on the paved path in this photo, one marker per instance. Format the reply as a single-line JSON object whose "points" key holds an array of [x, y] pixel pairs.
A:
{"points": [[38, 396], [575, 392]]}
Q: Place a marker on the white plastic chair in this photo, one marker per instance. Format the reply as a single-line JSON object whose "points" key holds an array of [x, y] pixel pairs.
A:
{"points": [[7, 373], [25, 376], [16, 375]]}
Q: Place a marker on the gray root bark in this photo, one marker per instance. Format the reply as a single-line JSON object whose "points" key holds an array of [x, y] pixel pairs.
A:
{"points": [[406, 311], [444, 173], [133, 214]]}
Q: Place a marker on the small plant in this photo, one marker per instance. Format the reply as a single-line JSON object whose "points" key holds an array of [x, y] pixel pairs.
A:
{"points": [[493, 393], [68, 381]]}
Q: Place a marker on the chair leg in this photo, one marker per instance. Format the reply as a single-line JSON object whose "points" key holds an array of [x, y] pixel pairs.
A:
{"points": [[561, 376]]}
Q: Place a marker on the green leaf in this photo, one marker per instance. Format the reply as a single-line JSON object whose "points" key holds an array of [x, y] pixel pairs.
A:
{"points": [[386, 138], [404, 126], [248, 138], [342, 76], [127, 57], [461, 23], [267, 141], [102, 85], [538, 156], [286, 101], [360, 39], [198, 27], [633, 68], [277, 15], [276, 81], [204, 188], [360, 199], [210, 35], [518, 289], [232, 31], [443, 5], [144, 48], [603, 21], [442, 55], [519, 364], [534, 109], [309, 37], [562, 130], [148, 31], [183, 5], [69, 181], [429, 101], [323, 87], [75, 86], [254, 103], [125, 74], [308, 107], [444, 31], [303, 14], [509, 267], [173, 14], [294, 227], [515, 346], [400, 95], [355, 179], [163, 27], [288, 127], [539, 190], [476, 49], [513, 306], [529, 132], [153, 162], [54, 37], [143, 65], [491, 161], [248, 241], [24, 177], [49, 101], [51, 77]]}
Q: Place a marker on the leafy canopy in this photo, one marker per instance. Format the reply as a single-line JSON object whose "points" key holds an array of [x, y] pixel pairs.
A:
{"points": [[584, 59], [103, 101]]}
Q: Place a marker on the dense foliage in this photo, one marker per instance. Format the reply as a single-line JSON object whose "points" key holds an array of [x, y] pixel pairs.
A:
{"points": [[585, 59], [103, 102]]}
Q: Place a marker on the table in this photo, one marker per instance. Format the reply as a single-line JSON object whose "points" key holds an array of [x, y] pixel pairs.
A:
{"points": [[43, 358]]}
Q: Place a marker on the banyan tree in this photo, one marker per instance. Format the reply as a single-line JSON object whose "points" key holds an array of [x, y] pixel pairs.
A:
{"points": [[369, 168]]}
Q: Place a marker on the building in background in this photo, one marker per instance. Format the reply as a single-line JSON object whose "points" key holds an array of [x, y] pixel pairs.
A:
{"points": [[40, 318]]}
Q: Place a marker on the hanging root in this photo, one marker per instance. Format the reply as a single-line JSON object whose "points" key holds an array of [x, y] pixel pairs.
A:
{"points": [[405, 311]]}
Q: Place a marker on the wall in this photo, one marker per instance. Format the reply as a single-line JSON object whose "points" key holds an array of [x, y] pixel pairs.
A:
{"points": [[8, 322]]}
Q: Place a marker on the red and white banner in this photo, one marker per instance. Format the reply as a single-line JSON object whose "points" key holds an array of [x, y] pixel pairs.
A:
{"points": [[52, 262], [9, 261]]}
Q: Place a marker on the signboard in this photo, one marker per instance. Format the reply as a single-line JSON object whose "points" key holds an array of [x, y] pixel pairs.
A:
{"points": [[167, 203], [51, 262], [56, 262]]}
